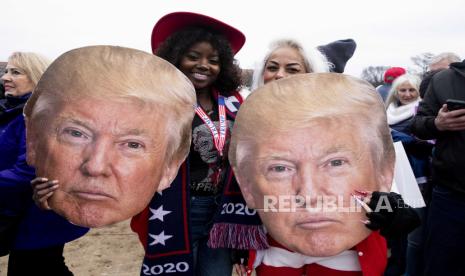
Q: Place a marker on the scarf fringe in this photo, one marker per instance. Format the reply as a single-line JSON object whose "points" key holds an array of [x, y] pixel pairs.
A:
{"points": [[238, 236]]}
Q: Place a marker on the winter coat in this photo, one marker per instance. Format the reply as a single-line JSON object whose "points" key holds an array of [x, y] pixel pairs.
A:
{"points": [[449, 153]]}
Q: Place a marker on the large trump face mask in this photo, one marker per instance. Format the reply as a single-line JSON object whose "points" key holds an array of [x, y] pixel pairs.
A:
{"points": [[112, 125], [300, 147]]}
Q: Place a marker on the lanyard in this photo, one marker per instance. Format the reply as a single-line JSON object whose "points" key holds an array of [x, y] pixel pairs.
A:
{"points": [[219, 136]]}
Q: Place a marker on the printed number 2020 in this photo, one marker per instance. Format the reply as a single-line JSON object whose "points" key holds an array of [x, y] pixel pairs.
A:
{"points": [[165, 268], [238, 209]]}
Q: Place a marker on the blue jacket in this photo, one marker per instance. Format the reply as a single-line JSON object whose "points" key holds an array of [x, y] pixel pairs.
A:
{"points": [[37, 228], [15, 174]]}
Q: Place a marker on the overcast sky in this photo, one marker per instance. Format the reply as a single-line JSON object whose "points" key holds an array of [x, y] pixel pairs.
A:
{"points": [[387, 32]]}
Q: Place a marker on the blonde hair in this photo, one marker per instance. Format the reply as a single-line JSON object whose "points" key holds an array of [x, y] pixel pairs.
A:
{"points": [[117, 73], [297, 101], [314, 60], [32, 64], [413, 80]]}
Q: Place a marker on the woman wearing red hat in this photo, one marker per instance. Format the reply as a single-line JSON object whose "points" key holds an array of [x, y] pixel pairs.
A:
{"points": [[203, 48]]}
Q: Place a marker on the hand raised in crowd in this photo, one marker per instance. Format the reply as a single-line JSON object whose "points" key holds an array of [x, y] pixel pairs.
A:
{"points": [[450, 120], [43, 189]]}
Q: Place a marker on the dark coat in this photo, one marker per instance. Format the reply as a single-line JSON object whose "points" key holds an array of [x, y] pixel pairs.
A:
{"points": [[449, 153]]}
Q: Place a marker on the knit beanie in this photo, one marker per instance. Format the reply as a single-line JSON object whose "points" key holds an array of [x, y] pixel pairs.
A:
{"points": [[338, 53], [392, 73]]}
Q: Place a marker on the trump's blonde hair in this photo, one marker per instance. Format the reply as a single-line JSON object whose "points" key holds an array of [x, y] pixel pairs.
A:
{"points": [[120, 74], [297, 101]]}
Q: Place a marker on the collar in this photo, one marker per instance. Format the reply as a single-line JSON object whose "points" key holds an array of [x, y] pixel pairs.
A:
{"points": [[396, 114], [13, 102], [369, 257]]}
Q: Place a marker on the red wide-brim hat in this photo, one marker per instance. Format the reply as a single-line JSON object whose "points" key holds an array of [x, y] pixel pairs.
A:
{"points": [[176, 21]]}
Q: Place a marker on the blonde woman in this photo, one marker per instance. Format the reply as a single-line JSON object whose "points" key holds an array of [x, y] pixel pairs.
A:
{"points": [[402, 101], [34, 239]]}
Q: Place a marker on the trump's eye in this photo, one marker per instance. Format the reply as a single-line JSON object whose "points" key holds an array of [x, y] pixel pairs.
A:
{"points": [[337, 162], [134, 145], [278, 168], [279, 171], [74, 133]]}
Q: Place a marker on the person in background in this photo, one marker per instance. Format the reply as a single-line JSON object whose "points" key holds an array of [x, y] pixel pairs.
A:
{"points": [[442, 61], [33, 238], [445, 224], [426, 80], [388, 77], [287, 57], [402, 100], [402, 103]]}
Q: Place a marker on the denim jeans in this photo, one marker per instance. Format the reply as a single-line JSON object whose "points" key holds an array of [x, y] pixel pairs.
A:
{"points": [[445, 234], [415, 247], [207, 261]]}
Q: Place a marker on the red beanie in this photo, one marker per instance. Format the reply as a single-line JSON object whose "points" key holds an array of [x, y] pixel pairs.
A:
{"points": [[392, 73]]}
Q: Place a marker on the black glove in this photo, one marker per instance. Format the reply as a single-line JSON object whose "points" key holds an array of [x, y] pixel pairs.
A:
{"points": [[391, 215], [240, 256]]}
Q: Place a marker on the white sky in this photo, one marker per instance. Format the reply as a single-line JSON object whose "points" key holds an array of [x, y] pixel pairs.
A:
{"points": [[386, 32]]}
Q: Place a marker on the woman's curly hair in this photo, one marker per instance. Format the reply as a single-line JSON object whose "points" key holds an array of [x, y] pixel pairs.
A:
{"points": [[177, 45]]}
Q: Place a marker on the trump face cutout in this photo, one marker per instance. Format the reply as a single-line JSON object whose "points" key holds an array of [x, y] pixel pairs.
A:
{"points": [[316, 139], [105, 131]]}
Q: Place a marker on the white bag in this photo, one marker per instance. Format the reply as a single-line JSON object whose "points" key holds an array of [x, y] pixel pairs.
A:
{"points": [[404, 182]]}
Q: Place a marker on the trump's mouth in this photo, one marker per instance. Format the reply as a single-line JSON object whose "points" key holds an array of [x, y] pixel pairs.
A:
{"points": [[92, 195], [316, 223]]}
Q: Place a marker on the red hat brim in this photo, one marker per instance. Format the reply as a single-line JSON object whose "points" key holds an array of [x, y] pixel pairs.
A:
{"points": [[176, 21]]}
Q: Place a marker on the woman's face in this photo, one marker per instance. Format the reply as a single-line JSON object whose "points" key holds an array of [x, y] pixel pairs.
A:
{"points": [[283, 62], [407, 93], [201, 64], [16, 82]]}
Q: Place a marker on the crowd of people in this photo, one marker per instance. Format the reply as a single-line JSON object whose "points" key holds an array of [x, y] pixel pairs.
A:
{"points": [[290, 176]]}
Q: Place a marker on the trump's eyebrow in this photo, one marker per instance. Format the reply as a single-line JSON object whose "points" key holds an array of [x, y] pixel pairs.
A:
{"points": [[338, 149], [74, 121], [281, 155], [134, 131], [121, 132]]}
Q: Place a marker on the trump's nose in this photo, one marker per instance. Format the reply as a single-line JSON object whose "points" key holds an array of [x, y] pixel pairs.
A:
{"points": [[307, 186], [97, 159]]}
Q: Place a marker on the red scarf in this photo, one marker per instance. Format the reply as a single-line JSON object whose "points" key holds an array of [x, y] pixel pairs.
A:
{"points": [[371, 252]]}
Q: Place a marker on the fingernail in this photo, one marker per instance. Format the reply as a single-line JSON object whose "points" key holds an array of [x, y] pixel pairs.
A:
{"points": [[54, 181], [362, 193], [43, 179], [365, 221]]}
